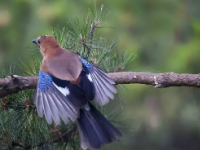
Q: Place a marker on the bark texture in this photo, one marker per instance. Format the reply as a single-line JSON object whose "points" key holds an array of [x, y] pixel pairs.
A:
{"points": [[14, 83]]}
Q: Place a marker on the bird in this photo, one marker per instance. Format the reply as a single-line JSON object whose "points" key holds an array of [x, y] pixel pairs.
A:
{"points": [[67, 84]]}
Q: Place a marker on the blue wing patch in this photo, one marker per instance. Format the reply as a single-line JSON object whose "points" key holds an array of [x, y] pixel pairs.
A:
{"points": [[45, 81], [85, 63]]}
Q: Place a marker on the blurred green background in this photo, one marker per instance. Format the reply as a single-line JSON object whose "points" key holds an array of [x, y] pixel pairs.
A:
{"points": [[165, 36]]}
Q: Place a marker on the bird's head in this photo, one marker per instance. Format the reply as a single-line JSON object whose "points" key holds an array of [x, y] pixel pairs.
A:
{"points": [[46, 43]]}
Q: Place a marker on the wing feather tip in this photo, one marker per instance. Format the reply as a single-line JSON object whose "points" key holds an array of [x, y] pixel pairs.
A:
{"points": [[40, 115]]}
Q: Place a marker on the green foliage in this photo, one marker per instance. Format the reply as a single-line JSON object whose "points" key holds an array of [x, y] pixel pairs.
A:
{"points": [[21, 127]]}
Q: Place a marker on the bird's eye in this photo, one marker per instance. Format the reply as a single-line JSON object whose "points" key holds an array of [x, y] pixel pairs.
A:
{"points": [[43, 36], [38, 41]]}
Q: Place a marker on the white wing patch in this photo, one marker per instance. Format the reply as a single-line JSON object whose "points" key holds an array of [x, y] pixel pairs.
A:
{"points": [[64, 91], [89, 77]]}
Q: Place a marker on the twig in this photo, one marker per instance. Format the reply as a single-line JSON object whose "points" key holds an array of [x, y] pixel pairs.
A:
{"points": [[84, 46], [66, 136], [93, 26], [15, 143], [12, 85]]}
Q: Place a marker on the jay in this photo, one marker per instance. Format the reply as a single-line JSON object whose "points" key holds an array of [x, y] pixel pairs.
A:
{"points": [[67, 83]]}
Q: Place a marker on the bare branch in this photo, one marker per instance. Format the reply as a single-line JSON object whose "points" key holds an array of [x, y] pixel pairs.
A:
{"points": [[158, 80], [14, 84]]}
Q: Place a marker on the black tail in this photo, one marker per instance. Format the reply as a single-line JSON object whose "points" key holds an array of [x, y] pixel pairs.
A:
{"points": [[94, 129]]}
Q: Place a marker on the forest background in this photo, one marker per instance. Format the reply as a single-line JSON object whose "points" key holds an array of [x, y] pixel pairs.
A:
{"points": [[164, 36]]}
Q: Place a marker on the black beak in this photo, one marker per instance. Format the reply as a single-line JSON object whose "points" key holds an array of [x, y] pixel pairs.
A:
{"points": [[36, 41]]}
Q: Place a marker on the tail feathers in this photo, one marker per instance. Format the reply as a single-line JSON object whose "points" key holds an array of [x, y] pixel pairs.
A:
{"points": [[94, 129]]}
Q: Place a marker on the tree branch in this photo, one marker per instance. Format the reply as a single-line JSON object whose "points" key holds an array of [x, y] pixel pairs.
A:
{"points": [[13, 84]]}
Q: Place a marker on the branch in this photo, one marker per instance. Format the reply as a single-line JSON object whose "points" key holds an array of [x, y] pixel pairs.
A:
{"points": [[93, 26], [13, 84], [158, 80], [66, 136]]}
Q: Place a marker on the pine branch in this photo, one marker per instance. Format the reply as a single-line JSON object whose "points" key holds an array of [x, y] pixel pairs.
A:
{"points": [[66, 136], [13, 84]]}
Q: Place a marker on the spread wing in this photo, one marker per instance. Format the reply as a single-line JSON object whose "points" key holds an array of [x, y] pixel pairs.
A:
{"points": [[104, 86], [52, 101]]}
